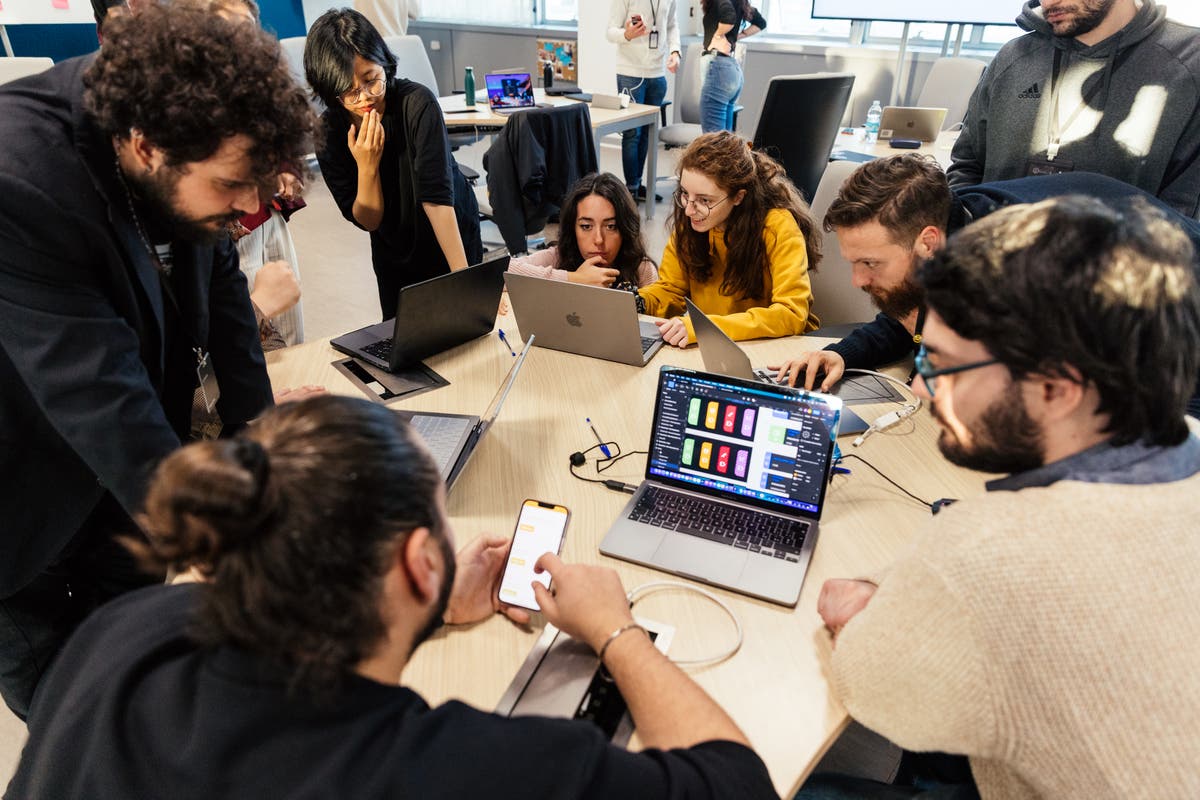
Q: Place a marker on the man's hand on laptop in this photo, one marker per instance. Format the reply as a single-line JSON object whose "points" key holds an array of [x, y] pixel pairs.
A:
{"points": [[595, 273], [586, 602], [809, 367], [673, 331]]}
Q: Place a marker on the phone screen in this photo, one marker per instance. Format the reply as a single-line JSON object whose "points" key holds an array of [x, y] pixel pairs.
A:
{"points": [[540, 529]]}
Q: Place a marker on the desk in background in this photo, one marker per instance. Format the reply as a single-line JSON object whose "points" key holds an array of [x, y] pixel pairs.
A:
{"points": [[775, 687], [852, 142], [604, 122]]}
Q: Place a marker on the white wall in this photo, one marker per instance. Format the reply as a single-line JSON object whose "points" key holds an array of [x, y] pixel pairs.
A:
{"points": [[598, 56]]}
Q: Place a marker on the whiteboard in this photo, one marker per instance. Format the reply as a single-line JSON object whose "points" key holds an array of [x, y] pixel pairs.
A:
{"points": [[42, 12], [979, 12]]}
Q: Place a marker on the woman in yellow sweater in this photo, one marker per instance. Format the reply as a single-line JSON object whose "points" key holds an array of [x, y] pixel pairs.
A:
{"points": [[741, 249]]}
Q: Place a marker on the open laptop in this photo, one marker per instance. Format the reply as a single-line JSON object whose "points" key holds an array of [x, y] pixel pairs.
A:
{"points": [[911, 122], [432, 316], [587, 320], [509, 91], [453, 438], [735, 484], [722, 355]]}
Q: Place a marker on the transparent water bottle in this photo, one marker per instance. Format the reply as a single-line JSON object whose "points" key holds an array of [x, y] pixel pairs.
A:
{"points": [[874, 114], [469, 88]]}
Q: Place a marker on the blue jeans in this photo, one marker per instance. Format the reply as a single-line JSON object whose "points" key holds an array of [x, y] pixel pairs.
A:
{"points": [[634, 143], [718, 95]]}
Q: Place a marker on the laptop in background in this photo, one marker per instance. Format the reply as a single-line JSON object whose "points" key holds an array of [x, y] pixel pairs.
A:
{"points": [[735, 484], [432, 316], [509, 91], [453, 438], [722, 355], [586, 320], [911, 122]]}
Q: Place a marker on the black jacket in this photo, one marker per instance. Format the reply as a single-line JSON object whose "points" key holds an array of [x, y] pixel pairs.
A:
{"points": [[533, 163], [83, 372]]}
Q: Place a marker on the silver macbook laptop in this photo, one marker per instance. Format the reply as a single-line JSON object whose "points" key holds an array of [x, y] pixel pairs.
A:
{"points": [[432, 316], [587, 320], [509, 91], [735, 483], [911, 122], [722, 355], [453, 438]]}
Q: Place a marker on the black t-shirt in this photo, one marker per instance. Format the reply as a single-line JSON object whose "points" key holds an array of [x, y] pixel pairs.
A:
{"points": [[133, 708], [730, 13], [416, 167]]}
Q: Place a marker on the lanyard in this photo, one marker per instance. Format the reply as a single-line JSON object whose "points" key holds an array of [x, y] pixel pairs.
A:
{"points": [[654, 13]]}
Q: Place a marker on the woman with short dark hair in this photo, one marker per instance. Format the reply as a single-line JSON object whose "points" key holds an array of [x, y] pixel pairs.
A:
{"points": [[386, 157]]}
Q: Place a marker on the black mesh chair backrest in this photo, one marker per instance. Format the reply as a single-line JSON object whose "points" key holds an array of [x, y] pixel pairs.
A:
{"points": [[799, 122]]}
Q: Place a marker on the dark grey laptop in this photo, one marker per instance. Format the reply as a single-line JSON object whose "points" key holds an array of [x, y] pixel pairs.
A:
{"points": [[721, 354], [911, 122], [587, 320], [735, 483], [432, 316], [453, 438]]}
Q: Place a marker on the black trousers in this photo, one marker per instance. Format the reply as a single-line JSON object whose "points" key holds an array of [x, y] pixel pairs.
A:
{"points": [[36, 621]]}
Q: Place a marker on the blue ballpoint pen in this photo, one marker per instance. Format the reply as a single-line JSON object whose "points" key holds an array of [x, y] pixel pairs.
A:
{"points": [[504, 339], [603, 447]]}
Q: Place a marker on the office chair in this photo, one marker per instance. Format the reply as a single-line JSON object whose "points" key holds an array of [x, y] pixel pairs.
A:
{"points": [[836, 301], [532, 164], [15, 67], [950, 84], [799, 123], [687, 102]]}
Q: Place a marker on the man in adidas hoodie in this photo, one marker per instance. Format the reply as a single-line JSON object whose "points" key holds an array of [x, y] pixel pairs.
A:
{"points": [[646, 33], [1108, 86]]}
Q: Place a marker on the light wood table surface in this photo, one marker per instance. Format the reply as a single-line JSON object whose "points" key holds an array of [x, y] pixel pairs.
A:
{"points": [[775, 687], [605, 121], [939, 149]]}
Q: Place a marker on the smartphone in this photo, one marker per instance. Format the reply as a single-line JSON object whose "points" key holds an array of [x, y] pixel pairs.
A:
{"points": [[636, 19], [541, 528]]}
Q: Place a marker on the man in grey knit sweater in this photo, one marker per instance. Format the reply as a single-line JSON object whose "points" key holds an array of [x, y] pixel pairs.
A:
{"points": [[1107, 86], [1047, 630]]}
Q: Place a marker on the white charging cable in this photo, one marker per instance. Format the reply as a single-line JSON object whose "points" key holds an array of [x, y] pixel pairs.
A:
{"points": [[647, 589], [892, 417]]}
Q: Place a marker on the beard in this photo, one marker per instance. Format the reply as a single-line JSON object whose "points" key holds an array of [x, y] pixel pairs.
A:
{"points": [[439, 608], [1005, 438], [1088, 15], [157, 193], [899, 301]]}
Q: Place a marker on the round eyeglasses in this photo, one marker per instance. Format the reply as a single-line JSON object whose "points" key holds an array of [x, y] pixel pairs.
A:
{"points": [[372, 88], [929, 373], [703, 207]]}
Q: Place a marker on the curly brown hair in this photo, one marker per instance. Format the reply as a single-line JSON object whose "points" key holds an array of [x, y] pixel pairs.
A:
{"points": [[294, 524], [188, 79], [611, 188], [728, 160]]}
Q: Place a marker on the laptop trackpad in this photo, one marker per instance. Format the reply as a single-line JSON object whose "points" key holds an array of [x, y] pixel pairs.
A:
{"points": [[709, 561]]}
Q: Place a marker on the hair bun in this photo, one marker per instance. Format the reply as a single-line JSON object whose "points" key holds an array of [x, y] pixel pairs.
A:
{"points": [[253, 456]]}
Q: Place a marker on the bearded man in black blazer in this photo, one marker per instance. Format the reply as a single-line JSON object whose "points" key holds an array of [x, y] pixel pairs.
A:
{"points": [[120, 295]]}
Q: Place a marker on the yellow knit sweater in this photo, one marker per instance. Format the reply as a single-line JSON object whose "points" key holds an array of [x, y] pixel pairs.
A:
{"points": [[1051, 634], [783, 311]]}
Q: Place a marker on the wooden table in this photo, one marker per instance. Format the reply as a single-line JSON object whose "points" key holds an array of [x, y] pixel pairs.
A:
{"points": [[852, 141], [775, 687], [604, 122]]}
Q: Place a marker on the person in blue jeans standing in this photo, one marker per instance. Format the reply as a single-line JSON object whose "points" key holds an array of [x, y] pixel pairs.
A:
{"points": [[646, 33], [725, 21]]}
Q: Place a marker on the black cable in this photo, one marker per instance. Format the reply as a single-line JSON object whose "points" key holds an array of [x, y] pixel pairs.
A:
{"points": [[878, 472], [578, 459], [604, 463]]}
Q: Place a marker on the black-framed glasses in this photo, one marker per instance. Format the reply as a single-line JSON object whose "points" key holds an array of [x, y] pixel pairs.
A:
{"points": [[372, 88], [929, 373], [703, 207]]}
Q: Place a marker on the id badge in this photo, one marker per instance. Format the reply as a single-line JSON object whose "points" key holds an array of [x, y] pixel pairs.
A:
{"points": [[654, 38], [1043, 167], [210, 392]]}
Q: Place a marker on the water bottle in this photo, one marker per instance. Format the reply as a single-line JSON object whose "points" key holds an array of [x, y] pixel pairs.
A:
{"points": [[547, 75], [469, 86], [874, 114]]}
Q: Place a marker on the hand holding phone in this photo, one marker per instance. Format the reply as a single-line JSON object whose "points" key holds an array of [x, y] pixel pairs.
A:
{"points": [[634, 28], [541, 528]]}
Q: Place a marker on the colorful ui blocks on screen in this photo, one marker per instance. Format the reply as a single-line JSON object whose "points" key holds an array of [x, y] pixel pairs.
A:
{"points": [[723, 458]]}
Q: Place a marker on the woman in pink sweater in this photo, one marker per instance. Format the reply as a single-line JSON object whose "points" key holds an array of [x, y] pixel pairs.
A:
{"points": [[600, 239]]}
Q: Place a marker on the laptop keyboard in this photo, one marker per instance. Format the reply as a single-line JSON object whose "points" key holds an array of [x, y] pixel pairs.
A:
{"points": [[764, 374], [441, 435], [381, 349], [647, 343], [742, 528]]}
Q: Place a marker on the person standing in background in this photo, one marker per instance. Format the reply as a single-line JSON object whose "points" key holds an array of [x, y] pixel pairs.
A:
{"points": [[722, 70], [390, 17], [644, 57]]}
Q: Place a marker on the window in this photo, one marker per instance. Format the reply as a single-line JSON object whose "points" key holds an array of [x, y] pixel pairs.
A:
{"points": [[511, 12], [919, 33], [794, 17], [559, 10]]}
